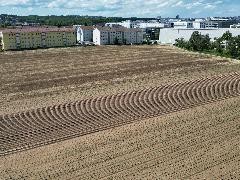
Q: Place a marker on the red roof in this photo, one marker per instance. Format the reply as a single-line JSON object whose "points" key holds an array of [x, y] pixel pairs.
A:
{"points": [[38, 29], [87, 27]]}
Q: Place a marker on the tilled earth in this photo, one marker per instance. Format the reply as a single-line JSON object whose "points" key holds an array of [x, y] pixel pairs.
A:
{"points": [[48, 96]]}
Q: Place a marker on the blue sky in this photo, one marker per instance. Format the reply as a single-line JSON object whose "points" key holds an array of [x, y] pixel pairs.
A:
{"points": [[124, 8]]}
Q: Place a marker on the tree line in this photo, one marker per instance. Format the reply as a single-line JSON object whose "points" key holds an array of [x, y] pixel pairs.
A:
{"points": [[68, 20], [227, 45]]}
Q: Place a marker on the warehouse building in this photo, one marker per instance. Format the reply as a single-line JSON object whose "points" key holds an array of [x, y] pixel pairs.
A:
{"points": [[169, 35], [32, 38], [108, 35]]}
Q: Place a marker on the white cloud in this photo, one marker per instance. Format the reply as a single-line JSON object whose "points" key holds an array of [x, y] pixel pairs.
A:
{"points": [[210, 6], [117, 7], [13, 2]]}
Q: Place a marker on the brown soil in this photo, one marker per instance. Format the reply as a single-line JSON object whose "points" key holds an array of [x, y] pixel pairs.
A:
{"points": [[201, 142], [198, 142]]}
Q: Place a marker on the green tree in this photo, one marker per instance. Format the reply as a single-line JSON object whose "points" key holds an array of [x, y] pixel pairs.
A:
{"points": [[200, 42]]}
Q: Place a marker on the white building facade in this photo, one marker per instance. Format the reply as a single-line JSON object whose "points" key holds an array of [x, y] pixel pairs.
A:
{"points": [[235, 26], [109, 36], [84, 33], [136, 24], [199, 25], [182, 24], [169, 35]]}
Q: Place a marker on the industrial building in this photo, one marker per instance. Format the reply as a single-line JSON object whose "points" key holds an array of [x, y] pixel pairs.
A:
{"points": [[32, 38], [136, 24], [169, 35]]}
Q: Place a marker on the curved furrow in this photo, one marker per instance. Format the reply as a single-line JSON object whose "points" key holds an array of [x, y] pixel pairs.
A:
{"points": [[79, 115], [43, 126], [125, 105], [12, 125], [142, 103], [95, 117], [128, 102], [168, 102], [114, 106], [214, 91], [137, 104], [190, 95], [196, 96], [164, 102], [119, 103], [37, 115], [84, 109], [78, 120], [108, 117], [232, 86], [220, 87], [203, 91], [154, 104], [207, 88], [183, 94], [106, 106], [26, 124], [29, 130], [49, 112], [217, 87], [176, 95], [67, 124], [149, 103], [200, 93], [237, 86], [12, 131], [90, 106], [100, 109], [158, 100], [226, 88], [49, 125], [170, 95], [17, 137], [73, 122], [211, 89], [7, 129]]}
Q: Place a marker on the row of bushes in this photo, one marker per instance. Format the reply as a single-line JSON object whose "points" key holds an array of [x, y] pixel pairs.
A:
{"points": [[227, 45]]}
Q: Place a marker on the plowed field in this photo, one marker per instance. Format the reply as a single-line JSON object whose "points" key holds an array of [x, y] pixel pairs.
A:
{"points": [[130, 112]]}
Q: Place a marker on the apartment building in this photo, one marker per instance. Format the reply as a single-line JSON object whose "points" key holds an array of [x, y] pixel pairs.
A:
{"points": [[84, 33], [32, 38], [108, 35]]}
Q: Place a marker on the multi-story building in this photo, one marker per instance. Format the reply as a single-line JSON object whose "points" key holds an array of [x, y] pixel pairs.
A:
{"points": [[107, 35], [32, 38], [152, 34], [182, 24], [199, 24], [137, 24], [84, 33]]}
